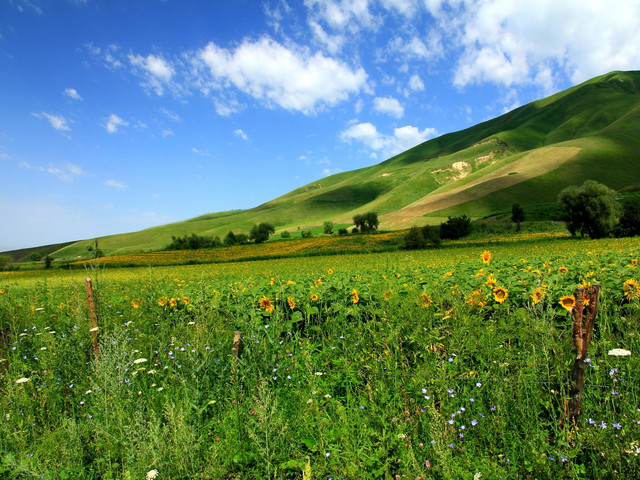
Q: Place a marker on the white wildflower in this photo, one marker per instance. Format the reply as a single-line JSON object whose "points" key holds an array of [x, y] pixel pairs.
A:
{"points": [[22, 380], [94, 329], [139, 360], [151, 474]]}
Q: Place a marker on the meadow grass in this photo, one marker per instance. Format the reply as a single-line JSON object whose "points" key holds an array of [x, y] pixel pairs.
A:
{"points": [[389, 365]]}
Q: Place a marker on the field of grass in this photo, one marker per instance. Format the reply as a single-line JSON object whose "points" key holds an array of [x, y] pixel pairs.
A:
{"points": [[439, 364]]}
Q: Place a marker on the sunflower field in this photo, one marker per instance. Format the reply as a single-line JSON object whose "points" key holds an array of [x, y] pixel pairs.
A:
{"points": [[437, 364]]}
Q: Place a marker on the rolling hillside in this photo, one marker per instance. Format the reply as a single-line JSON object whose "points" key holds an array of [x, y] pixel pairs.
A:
{"points": [[590, 131]]}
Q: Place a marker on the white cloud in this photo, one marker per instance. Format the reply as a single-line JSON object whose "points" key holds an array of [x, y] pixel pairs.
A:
{"points": [[287, 76], [389, 106], [56, 121], [241, 134], [156, 71], [115, 184], [114, 122], [200, 152], [509, 43], [402, 139], [66, 173], [167, 132], [72, 93], [415, 83]]}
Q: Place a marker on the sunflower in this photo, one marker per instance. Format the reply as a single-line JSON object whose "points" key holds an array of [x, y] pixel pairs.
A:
{"points": [[486, 257], [568, 302], [354, 296], [477, 298], [537, 296], [387, 295], [631, 289], [426, 299], [314, 297], [162, 301], [563, 269], [173, 302], [266, 304], [291, 302], [500, 294], [135, 304], [490, 280]]}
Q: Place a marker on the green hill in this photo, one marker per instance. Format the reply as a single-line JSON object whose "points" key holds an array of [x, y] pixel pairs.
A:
{"points": [[590, 131]]}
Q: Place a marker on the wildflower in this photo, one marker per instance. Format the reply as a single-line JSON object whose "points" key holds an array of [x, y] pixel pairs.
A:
{"points": [[22, 380], [173, 302], [186, 300], [476, 298], [139, 360], [135, 304], [291, 302], [619, 352], [354, 294], [631, 289], [537, 296], [266, 304], [151, 474], [486, 257], [387, 295], [448, 274], [426, 299], [491, 280], [330, 271], [162, 301], [563, 269], [568, 302], [500, 294], [314, 297]]}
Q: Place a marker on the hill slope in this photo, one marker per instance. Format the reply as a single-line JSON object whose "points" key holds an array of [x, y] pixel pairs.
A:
{"points": [[528, 155]]}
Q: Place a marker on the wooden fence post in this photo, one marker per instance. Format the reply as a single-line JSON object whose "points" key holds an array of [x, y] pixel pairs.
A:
{"points": [[581, 339], [93, 320]]}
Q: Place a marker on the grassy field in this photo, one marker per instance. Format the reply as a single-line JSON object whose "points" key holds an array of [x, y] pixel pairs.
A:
{"points": [[444, 364]]}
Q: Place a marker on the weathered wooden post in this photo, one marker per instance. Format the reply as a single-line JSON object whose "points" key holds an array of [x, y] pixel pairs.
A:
{"points": [[581, 339], [93, 320]]}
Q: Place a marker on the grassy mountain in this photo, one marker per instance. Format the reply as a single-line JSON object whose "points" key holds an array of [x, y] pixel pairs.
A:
{"points": [[590, 131]]}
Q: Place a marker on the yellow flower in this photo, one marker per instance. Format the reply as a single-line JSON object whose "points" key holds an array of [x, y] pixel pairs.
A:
{"points": [[162, 301], [273, 280], [500, 294], [631, 289], [477, 298], [135, 304], [480, 273], [387, 295], [563, 269], [173, 302], [537, 296], [185, 300], [330, 271], [426, 299], [568, 302], [490, 280], [448, 274], [486, 257], [1, 292], [266, 304], [291, 302], [314, 297], [354, 294]]}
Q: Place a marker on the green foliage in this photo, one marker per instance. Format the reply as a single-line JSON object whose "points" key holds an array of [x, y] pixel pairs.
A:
{"points": [[327, 227], [589, 209], [455, 227], [629, 224], [366, 222], [193, 242], [517, 215], [5, 261], [418, 238], [343, 231], [285, 234], [48, 260], [35, 256], [230, 239], [260, 233], [306, 233]]}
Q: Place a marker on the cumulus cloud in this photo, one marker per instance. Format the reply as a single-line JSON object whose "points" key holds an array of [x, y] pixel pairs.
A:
{"points": [[389, 106], [402, 139], [66, 173], [114, 122], [156, 71], [56, 121], [72, 93], [290, 77], [415, 83]]}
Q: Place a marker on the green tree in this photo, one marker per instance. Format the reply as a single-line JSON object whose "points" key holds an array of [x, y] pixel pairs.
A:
{"points": [[589, 209], [230, 239], [517, 215], [629, 224], [455, 227], [48, 261], [328, 227], [366, 222], [35, 256], [260, 233], [5, 261]]}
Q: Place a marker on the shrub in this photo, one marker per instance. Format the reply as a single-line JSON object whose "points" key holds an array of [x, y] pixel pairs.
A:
{"points": [[343, 231], [455, 227], [306, 233], [192, 242], [366, 222], [418, 238], [260, 233], [629, 223], [328, 228], [285, 234]]}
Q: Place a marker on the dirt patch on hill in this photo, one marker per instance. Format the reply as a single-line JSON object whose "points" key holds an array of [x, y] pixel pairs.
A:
{"points": [[536, 163]]}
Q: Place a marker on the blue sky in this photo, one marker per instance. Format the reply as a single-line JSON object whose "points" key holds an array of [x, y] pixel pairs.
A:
{"points": [[118, 115]]}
